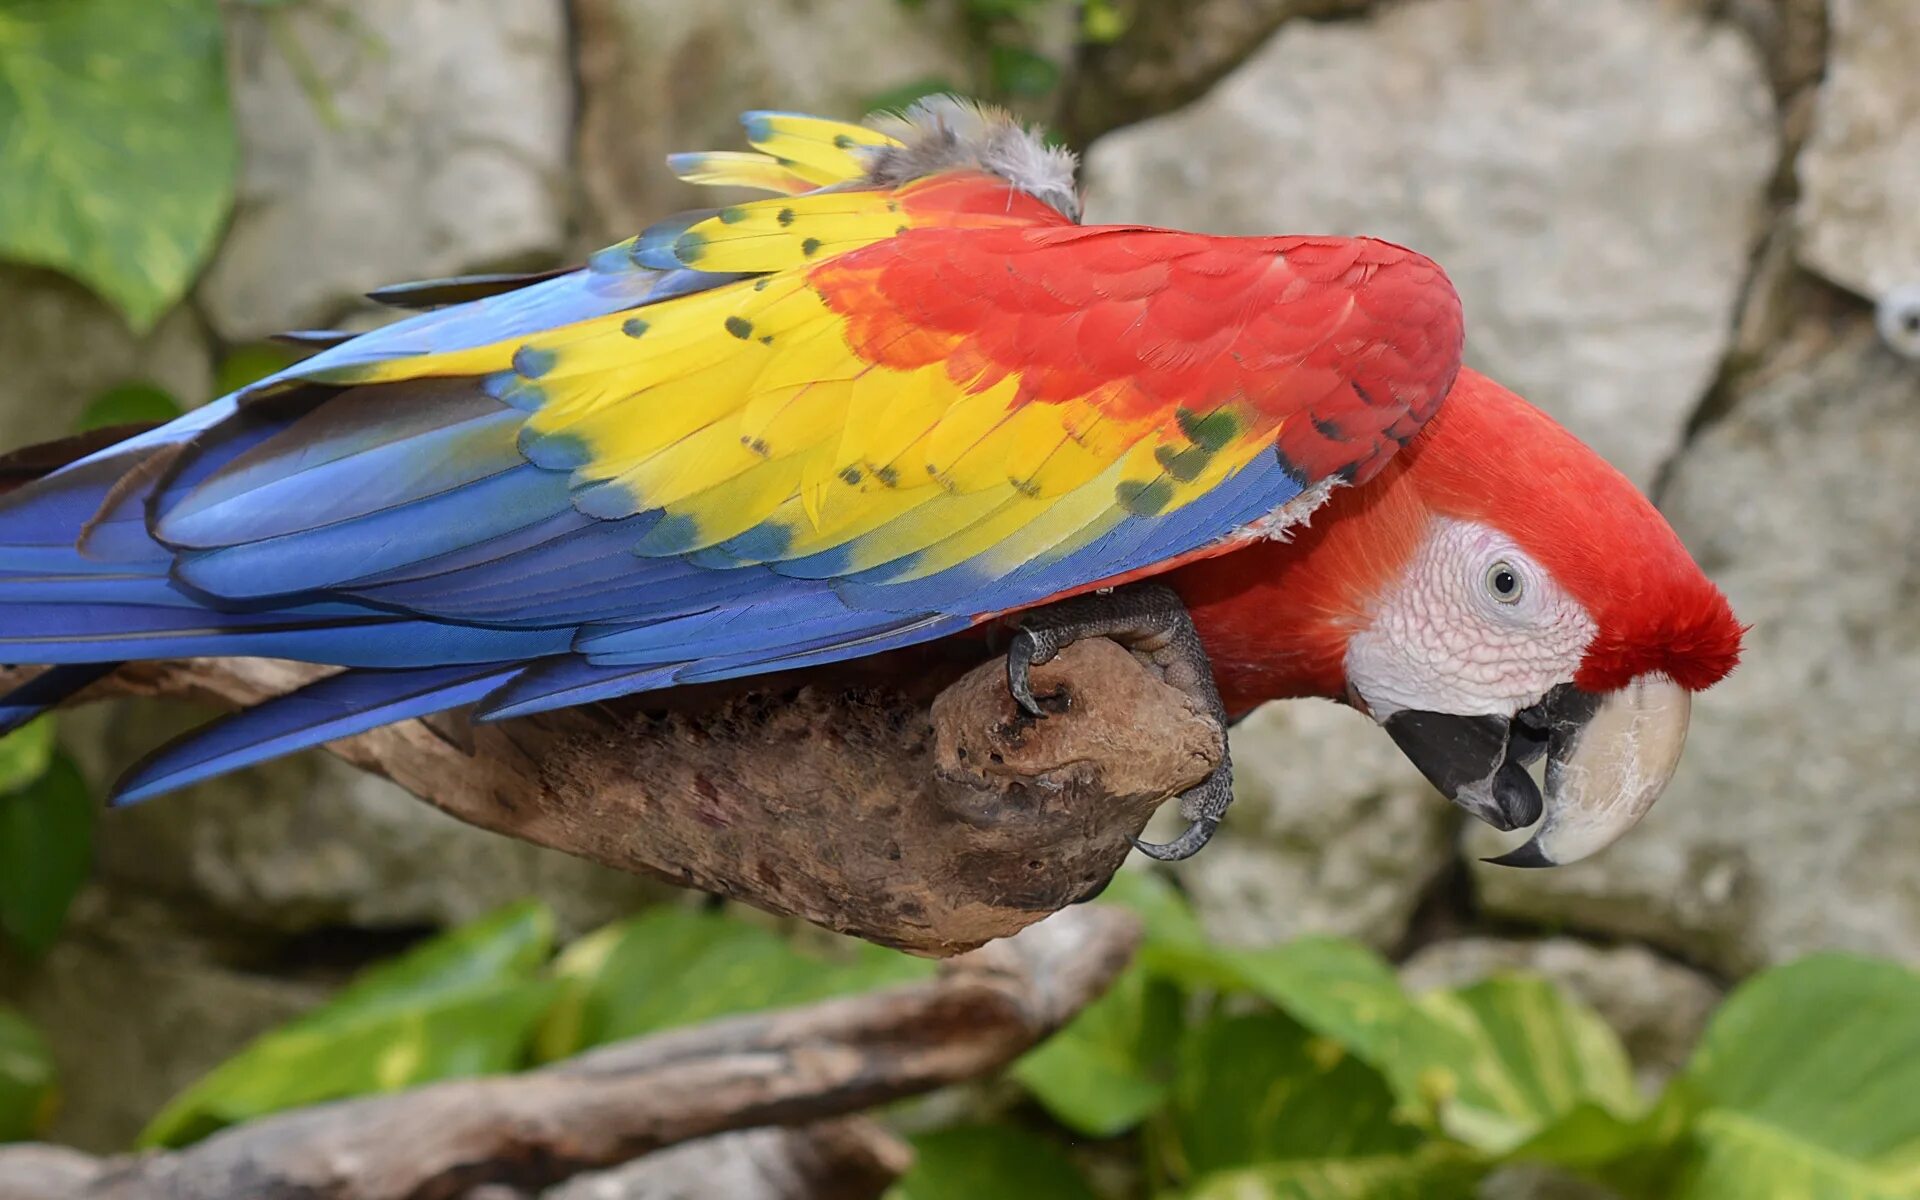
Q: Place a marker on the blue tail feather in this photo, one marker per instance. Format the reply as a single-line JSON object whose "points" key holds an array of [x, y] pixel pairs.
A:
{"points": [[45, 690], [335, 707]]}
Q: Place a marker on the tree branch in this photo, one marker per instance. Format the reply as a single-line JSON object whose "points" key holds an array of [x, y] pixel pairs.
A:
{"points": [[620, 1102], [933, 823]]}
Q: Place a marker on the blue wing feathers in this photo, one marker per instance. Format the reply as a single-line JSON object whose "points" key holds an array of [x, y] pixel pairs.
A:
{"points": [[401, 530]]}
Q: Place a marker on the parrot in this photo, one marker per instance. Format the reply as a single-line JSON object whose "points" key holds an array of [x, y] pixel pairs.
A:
{"points": [[901, 394]]}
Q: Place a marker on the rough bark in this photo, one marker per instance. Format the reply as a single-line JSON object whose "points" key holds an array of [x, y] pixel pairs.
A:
{"points": [[934, 823], [618, 1103]]}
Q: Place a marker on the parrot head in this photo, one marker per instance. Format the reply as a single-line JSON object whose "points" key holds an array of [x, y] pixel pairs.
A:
{"points": [[1497, 595]]}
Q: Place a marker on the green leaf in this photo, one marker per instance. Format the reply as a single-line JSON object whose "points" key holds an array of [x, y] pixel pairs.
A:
{"points": [[978, 1163], [128, 404], [250, 364], [27, 1092], [1347, 993], [116, 143], [1263, 1088], [671, 967], [1112, 1066], [1165, 913], [1020, 72], [1806, 1083], [466, 1003], [46, 852], [512, 943], [1509, 1066], [1175, 946], [1431, 1174], [25, 754], [1539, 1058]]}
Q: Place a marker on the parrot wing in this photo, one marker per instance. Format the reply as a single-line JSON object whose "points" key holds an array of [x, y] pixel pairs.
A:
{"points": [[903, 396]]}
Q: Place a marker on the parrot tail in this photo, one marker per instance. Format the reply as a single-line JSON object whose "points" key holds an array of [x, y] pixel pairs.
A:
{"points": [[19, 469], [338, 706]]}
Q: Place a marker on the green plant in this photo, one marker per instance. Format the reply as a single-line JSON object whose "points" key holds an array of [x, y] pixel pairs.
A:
{"points": [[1007, 37], [119, 153], [1297, 1072], [27, 1092], [465, 1003], [489, 997], [1306, 1071], [46, 836]]}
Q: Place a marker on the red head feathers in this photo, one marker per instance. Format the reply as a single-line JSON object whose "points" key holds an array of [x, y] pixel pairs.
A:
{"points": [[1279, 625]]}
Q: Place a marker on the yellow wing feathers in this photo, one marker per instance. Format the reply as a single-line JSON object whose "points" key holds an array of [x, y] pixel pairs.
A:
{"points": [[775, 235], [734, 168], [745, 415], [823, 150]]}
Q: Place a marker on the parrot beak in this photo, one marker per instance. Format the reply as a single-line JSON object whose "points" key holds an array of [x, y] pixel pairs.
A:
{"points": [[1608, 759]]}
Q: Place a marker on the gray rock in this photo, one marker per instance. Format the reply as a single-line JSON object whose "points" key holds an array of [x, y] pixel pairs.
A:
{"points": [[63, 347], [130, 1026], [1332, 831], [1598, 228], [382, 142], [33, 1171], [659, 76], [1793, 821], [1791, 36], [310, 842], [1859, 212], [1657, 1006]]}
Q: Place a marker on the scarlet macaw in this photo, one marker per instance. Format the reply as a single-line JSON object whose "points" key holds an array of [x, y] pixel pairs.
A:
{"points": [[906, 395]]}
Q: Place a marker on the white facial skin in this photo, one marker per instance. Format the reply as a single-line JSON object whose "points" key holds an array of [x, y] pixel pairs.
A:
{"points": [[1475, 628]]}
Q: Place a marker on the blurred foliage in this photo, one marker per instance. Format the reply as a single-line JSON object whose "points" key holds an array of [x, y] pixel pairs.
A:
{"points": [[1298, 1072], [128, 404], [485, 999], [46, 836], [27, 1093], [1808, 1084], [250, 363], [120, 152], [670, 967], [997, 1161], [1012, 37], [462, 1004], [25, 755]]}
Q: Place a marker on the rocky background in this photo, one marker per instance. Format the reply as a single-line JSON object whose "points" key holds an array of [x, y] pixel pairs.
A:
{"points": [[1671, 221]]}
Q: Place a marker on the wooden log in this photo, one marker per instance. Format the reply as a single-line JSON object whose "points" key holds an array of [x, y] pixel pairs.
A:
{"points": [[618, 1103], [932, 820]]}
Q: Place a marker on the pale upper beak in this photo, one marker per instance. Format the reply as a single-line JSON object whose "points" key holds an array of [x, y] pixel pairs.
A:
{"points": [[1609, 756]]}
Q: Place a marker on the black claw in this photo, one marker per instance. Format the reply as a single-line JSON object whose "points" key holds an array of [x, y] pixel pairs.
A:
{"points": [[1526, 855], [1186, 845], [1149, 620], [1020, 657]]}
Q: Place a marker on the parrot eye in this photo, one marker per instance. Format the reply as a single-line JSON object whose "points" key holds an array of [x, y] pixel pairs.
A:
{"points": [[1504, 582]]}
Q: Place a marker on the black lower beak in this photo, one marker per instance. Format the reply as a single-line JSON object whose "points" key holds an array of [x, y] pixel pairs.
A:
{"points": [[1479, 763], [1608, 757]]}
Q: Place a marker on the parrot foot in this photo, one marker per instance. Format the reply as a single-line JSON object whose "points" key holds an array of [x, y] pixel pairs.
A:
{"points": [[1149, 620]]}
